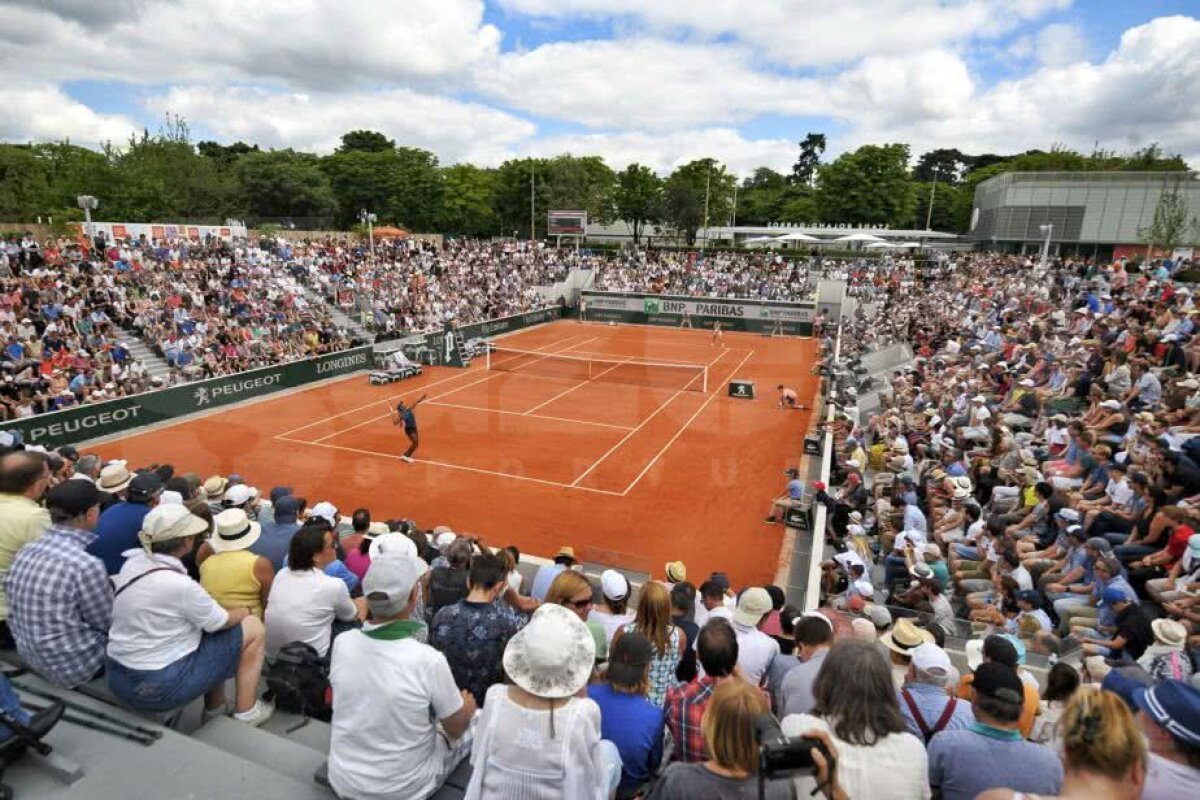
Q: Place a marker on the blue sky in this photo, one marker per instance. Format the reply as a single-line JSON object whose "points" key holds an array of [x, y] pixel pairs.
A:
{"points": [[656, 82]]}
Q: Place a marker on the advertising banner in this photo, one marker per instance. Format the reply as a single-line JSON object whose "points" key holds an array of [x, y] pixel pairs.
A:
{"points": [[758, 316]]}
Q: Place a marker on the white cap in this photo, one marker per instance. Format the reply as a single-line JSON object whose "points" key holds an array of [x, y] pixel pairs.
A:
{"points": [[240, 493], [169, 498], [1113, 404], [444, 540], [614, 585], [164, 523], [931, 659], [392, 544], [325, 510], [389, 583]]}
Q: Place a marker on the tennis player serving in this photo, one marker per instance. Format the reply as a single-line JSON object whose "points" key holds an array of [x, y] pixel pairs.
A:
{"points": [[404, 415]]}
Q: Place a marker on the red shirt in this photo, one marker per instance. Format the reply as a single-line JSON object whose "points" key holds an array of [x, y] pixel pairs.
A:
{"points": [[1177, 544], [685, 707]]}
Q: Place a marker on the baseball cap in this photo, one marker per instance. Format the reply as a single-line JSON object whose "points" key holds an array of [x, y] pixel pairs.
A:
{"points": [[1111, 404], [1099, 543], [614, 585], [1068, 515], [1175, 706], [389, 583], [168, 522], [627, 659], [1114, 594], [286, 507], [1029, 596], [73, 497], [998, 681], [880, 616], [752, 606], [144, 486], [931, 659], [240, 493], [280, 492]]}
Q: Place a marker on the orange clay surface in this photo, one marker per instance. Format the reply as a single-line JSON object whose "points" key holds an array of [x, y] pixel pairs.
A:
{"points": [[628, 475]]}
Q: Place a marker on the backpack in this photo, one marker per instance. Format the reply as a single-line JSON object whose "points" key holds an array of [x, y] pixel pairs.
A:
{"points": [[299, 680]]}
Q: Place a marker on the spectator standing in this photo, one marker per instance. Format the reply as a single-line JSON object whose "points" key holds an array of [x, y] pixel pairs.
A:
{"points": [[653, 621], [448, 585], [612, 613], [814, 636], [537, 737], [627, 718], [24, 479], [927, 708], [118, 528], [390, 692], [729, 735], [756, 650], [305, 604], [683, 609], [358, 555], [170, 642], [60, 597], [717, 652], [473, 632], [992, 753], [857, 706]]}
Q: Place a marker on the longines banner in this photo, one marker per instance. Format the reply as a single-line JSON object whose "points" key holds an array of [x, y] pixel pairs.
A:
{"points": [[758, 316], [104, 419]]}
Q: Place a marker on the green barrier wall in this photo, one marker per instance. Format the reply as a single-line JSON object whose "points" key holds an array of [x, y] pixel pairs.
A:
{"points": [[492, 327], [104, 419], [753, 316]]}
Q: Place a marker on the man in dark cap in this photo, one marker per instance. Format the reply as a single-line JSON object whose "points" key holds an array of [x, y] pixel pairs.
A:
{"points": [[117, 530], [277, 534], [59, 596]]}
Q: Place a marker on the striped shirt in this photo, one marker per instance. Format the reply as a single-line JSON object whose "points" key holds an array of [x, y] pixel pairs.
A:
{"points": [[60, 606]]}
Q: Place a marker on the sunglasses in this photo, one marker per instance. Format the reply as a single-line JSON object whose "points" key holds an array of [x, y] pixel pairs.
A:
{"points": [[579, 604]]}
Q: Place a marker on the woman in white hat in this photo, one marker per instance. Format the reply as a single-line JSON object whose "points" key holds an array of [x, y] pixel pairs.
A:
{"points": [[540, 736], [234, 576]]}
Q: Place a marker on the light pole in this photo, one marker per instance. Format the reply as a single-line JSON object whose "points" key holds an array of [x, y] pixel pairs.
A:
{"points": [[87, 203], [1047, 229], [368, 219], [932, 190]]}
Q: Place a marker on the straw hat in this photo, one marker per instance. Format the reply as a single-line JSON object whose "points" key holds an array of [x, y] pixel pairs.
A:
{"points": [[552, 656], [214, 487], [905, 637], [114, 478], [1169, 632], [234, 531]]}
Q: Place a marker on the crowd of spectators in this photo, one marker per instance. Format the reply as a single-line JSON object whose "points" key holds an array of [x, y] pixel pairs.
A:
{"points": [[1025, 494]]}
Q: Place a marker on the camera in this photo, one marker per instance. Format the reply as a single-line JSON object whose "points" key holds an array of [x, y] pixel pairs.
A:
{"points": [[781, 756]]}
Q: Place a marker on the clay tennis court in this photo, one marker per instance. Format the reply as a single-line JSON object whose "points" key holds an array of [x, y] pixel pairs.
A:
{"points": [[597, 436]]}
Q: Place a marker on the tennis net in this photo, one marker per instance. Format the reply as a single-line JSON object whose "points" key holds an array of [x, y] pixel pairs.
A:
{"points": [[684, 377]]}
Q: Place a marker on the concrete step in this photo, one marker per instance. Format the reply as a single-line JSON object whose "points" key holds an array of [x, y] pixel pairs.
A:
{"points": [[155, 364], [313, 734], [278, 753]]}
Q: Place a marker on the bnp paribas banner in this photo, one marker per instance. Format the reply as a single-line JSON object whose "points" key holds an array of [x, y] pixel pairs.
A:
{"points": [[759, 316], [115, 416]]}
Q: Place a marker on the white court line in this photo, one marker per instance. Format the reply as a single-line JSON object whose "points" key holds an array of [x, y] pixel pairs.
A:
{"points": [[455, 466], [527, 414], [679, 432], [454, 377], [576, 386], [641, 425], [487, 377]]}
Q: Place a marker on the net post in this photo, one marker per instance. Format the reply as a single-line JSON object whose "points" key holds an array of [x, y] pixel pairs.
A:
{"points": [[488, 357]]}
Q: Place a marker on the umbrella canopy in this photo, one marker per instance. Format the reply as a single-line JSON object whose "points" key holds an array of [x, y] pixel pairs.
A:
{"points": [[910, 244], [859, 237], [797, 237], [390, 231], [879, 245], [759, 240]]}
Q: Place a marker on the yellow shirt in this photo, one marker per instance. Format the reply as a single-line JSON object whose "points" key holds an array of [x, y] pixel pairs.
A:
{"points": [[21, 522], [229, 578]]}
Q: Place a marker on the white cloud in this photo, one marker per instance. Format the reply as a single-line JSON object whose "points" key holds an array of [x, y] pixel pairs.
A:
{"points": [[663, 152], [811, 32], [297, 43], [46, 114], [1058, 45], [454, 130], [644, 83]]}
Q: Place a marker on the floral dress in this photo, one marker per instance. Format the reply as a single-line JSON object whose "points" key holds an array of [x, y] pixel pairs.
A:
{"points": [[662, 668]]}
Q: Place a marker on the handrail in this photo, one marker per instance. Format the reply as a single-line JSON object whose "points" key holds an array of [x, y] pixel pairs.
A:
{"points": [[812, 589]]}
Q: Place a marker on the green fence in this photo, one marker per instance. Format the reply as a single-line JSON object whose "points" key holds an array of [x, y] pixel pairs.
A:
{"points": [[754, 316], [104, 419], [493, 327]]}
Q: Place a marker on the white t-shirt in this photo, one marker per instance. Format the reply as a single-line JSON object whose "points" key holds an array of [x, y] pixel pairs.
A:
{"points": [[161, 618], [756, 651], [384, 742], [610, 622], [302, 607], [1119, 492], [894, 768]]}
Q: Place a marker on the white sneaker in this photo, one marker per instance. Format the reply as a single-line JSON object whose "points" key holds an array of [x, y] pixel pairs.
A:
{"points": [[406, 459], [259, 713]]}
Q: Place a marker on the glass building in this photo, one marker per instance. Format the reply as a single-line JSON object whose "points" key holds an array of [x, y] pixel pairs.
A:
{"points": [[1099, 214]]}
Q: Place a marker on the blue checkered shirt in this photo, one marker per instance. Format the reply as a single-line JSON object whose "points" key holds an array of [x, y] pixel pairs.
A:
{"points": [[60, 606]]}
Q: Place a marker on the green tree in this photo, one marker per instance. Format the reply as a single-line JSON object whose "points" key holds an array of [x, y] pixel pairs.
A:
{"points": [[870, 185], [585, 183], [797, 203], [515, 179], [804, 171], [417, 188], [948, 163], [699, 192], [365, 142], [468, 201], [225, 154], [638, 198], [945, 202], [401, 185], [758, 200], [284, 184], [22, 183], [1173, 223]]}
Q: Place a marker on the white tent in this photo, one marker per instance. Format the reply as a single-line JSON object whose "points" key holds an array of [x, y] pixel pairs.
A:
{"points": [[879, 245], [796, 237], [760, 240], [859, 237], [910, 244]]}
